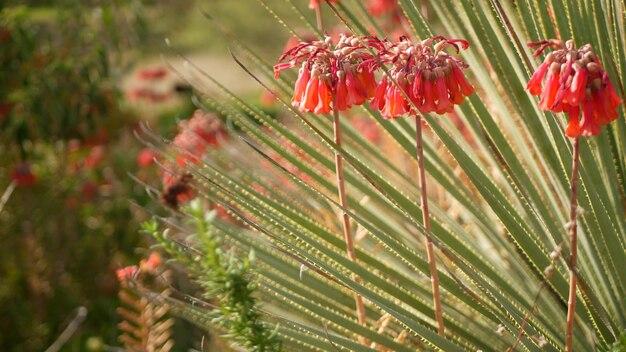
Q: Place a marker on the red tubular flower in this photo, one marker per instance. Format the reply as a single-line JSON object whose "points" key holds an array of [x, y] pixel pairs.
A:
{"points": [[341, 95], [333, 74], [303, 78], [441, 93], [427, 100], [552, 85], [466, 88], [379, 96], [324, 98], [576, 84], [311, 96], [356, 91], [534, 85], [423, 72]]}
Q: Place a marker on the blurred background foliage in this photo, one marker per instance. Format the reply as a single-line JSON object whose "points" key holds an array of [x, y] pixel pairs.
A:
{"points": [[72, 92]]}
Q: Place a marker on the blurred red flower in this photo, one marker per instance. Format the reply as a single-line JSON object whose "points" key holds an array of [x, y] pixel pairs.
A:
{"points": [[152, 73], [146, 157], [95, 157], [196, 135], [23, 176], [152, 263], [126, 273]]}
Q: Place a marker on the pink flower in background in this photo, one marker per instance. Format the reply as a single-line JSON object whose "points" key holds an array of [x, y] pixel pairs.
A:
{"points": [[196, 135], [147, 94], [267, 99], [152, 73], [381, 7], [23, 176], [368, 129], [177, 189], [89, 190], [146, 157], [572, 81], [95, 157], [5, 109], [207, 126], [126, 274], [151, 264]]}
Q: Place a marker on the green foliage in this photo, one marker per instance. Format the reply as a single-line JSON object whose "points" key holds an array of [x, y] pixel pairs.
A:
{"points": [[62, 237], [226, 279], [498, 212], [56, 79]]}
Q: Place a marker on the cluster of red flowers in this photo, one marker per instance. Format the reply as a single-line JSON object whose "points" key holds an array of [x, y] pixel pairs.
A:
{"points": [[340, 74], [574, 80], [422, 73], [343, 74], [177, 189], [150, 265], [196, 135], [95, 157], [147, 90]]}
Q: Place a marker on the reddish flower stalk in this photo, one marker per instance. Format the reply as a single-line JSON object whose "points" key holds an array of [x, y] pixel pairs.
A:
{"points": [[423, 78], [573, 236], [347, 234], [430, 251], [333, 77], [574, 80]]}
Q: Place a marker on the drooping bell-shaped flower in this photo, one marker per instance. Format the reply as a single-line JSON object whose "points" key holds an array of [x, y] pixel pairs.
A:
{"points": [[422, 75], [572, 80], [332, 75]]}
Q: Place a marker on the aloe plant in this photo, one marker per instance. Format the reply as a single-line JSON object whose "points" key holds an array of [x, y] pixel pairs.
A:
{"points": [[499, 200]]}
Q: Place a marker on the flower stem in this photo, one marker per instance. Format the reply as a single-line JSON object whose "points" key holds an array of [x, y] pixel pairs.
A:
{"points": [[432, 264], [347, 235], [573, 236], [318, 19]]}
